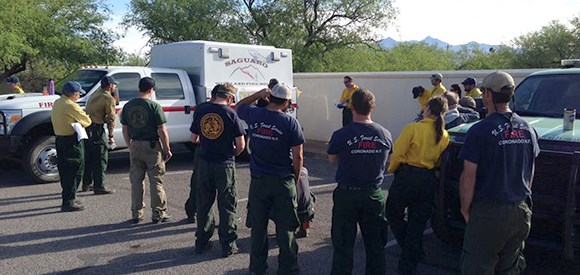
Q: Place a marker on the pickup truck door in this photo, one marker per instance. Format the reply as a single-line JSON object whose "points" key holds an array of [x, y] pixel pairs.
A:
{"points": [[175, 93]]}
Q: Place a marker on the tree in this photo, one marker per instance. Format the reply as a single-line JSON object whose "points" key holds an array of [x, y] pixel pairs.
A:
{"points": [[67, 31], [311, 28], [546, 47], [166, 21]]}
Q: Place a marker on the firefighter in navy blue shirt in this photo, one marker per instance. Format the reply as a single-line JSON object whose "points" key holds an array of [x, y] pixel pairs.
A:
{"points": [[361, 149], [221, 137], [495, 187], [275, 166]]}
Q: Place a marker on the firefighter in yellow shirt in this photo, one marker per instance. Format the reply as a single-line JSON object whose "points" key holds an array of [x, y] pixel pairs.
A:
{"points": [[15, 85], [470, 89], [437, 90], [69, 149], [416, 153], [344, 103]]}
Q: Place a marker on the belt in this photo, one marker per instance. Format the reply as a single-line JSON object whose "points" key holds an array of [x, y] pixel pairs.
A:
{"points": [[414, 168], [357, 188]]}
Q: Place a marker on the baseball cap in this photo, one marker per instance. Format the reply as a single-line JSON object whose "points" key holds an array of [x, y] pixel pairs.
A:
{"points": [[497, 81], [281, 91], [272, 83], [108, 80], [13, 79], [469, 81], [227, 89], [437, 76], [72, 87]]}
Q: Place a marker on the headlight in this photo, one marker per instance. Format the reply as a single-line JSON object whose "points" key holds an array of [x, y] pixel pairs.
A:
{"points": [[12, 117]]}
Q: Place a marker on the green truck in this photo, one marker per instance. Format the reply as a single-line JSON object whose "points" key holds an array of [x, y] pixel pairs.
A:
{"points": [[540, 99]]}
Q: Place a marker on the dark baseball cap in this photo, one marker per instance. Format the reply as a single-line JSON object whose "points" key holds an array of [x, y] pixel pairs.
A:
{"points": [[72, 87], [108, 80], [469, 81], [12, 79]]}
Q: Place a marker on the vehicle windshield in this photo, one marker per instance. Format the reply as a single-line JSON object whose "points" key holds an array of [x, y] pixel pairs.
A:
{"points": [[548, 95], [87, 78]]}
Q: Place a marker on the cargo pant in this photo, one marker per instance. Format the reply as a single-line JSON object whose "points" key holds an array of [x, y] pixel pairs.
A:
{"points": [[190, 205], [276, 193], [70, 166], [96, 157], [212, 179], [367, 209], [414, 189], [495, 237], [147, 158], [346, 116]]}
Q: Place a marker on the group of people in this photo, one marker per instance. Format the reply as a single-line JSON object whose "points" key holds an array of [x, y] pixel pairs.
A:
{"points": [[495, 187]]}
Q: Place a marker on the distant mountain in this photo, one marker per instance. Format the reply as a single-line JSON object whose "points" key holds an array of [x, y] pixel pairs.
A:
{"points": [[389, 43]]}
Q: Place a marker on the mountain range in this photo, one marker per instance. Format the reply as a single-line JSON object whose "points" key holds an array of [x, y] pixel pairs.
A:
{"points": [[389, 43]]}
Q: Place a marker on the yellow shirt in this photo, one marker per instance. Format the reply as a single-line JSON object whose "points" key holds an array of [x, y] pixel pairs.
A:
{"points": [[347, 94], [416, 146], [475, 93], [429, 93], [64, 112], [101, 108]]}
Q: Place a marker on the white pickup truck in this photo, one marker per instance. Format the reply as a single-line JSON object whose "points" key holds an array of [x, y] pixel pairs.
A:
{"points": [[184, 72]]}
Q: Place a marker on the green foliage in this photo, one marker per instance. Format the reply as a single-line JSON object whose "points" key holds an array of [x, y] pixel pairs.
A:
{"points": [[68, 32], [310, 28], [546, 47]]}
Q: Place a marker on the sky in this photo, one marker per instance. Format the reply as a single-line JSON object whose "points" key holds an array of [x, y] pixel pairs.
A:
{"points": [[453, 21]]}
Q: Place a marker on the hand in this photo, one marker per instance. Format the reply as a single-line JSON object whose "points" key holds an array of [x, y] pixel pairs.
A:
{"points": [[265, 93], [111, 140], [340, 105], [168, 155]]}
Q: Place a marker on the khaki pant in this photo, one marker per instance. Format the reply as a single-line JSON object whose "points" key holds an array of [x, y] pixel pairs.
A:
{"points": [[146, 158]]}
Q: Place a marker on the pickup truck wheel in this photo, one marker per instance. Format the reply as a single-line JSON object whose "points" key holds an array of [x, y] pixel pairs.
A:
{"points": [[40, 161]]}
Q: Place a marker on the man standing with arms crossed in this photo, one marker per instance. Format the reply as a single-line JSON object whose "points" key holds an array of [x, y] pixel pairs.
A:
{"points": [[101, 110], [221, 138], [361, 149], [277, 157], [495, 187], [143, 125]]}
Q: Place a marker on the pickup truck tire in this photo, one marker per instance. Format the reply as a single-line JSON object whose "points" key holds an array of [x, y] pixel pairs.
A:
{"points": [[40, 160]]}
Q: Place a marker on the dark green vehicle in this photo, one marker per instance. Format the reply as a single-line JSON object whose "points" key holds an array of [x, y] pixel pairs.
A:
{"points": [[540, 99]]}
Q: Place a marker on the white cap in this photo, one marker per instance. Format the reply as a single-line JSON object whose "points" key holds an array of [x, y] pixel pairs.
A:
{"points": [[281, 91]]}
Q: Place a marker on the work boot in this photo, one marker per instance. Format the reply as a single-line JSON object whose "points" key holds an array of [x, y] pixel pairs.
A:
{"points": [[75, 206], [164, 218], [104, 191], [87, 188]]}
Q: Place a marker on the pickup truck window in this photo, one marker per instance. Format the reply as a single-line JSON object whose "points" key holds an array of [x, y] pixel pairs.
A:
{"points": [[548, 95], [87, 78], [167, 86], [128, 87]]}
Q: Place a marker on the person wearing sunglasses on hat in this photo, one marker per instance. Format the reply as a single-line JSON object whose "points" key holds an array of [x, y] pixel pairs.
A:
{"points": [[221, 138], [437, 90], [345, 98], [495, 186]]}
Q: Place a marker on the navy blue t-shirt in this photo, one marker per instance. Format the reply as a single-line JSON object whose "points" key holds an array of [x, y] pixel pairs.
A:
{"points": [[217, 126], [362, 150], [504, 150], [272, 135]]}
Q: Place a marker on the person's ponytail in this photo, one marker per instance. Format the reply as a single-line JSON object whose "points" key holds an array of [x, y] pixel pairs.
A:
{"points": [[438, 107]]}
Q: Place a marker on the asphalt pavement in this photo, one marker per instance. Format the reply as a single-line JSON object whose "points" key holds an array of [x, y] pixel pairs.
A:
{"points": [[36, 238]]}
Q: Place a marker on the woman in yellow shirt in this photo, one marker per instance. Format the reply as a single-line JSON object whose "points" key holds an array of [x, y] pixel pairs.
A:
{"points": [[416, 153]]}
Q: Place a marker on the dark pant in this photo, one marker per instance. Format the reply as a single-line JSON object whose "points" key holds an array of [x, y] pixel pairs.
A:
{"points": [[190, 204], [276, 194], [494, 238], [346, 116], [96, 157], [70, 166], [413, 189], [212, 179], [367, 208]]}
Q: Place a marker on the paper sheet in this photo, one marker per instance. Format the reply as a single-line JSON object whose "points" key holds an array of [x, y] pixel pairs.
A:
{"points": [[80, 130]]}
